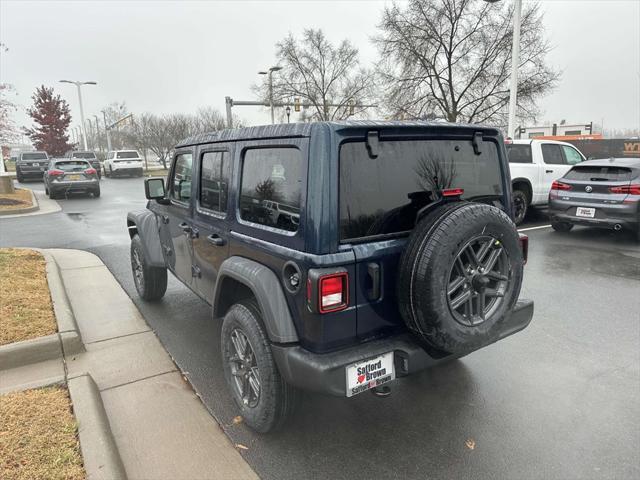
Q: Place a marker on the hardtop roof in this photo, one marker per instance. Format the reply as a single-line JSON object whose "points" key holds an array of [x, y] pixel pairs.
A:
{"points": [[305, 130]]}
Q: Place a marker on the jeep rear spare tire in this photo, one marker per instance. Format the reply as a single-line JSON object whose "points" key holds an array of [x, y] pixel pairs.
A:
{"points": [[459, 276]]}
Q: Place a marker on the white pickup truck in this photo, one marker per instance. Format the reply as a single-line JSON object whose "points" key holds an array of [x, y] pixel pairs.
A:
{"points": [[534, 165]]}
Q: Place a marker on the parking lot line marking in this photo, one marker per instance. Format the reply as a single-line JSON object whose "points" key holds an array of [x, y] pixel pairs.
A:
{"points": [[534, 228]]}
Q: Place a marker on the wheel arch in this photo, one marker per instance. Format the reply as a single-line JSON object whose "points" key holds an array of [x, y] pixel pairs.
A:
{"points": [[240, 278], [524, 185], [143, 223]]}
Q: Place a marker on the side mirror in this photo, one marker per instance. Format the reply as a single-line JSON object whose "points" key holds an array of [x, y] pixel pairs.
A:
{"points": [[154, 188]]}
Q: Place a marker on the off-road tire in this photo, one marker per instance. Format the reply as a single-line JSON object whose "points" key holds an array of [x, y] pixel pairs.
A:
{"points": [[426, 265], [561, 226], [152, 283], [277, 399], [520, 206], [19, 176]]}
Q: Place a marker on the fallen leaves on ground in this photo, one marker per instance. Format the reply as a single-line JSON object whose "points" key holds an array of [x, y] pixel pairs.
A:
{"points": [[241, 447], [21, 198], [39, 436], [26, 310], [470, 443]]}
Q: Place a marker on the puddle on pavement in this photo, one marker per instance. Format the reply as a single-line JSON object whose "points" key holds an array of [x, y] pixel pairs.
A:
{"points": [[78, 217]]}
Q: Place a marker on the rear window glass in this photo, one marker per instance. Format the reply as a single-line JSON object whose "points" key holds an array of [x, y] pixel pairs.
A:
{"points": [[90, 155], [600, 174], [72, 166], [382, 195], [519, 153], [271, 187], [127, 155], [34, 156]]}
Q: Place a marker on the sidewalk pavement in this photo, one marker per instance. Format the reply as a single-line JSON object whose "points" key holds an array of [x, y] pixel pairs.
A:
{"points": [[160, 427]]}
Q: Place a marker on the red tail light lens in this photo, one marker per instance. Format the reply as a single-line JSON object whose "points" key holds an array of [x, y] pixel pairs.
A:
{"points": [[55, 172], [90, 171], [560, 186], [333, 292], [524, 246], [628, 189]]}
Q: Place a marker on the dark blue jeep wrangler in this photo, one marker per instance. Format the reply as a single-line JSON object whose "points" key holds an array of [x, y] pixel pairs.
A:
{"points": [[341, 255]]}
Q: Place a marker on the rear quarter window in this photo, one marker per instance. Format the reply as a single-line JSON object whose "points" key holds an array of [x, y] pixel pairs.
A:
{"points": [[380, 196], [519, 153], [271, 187]]}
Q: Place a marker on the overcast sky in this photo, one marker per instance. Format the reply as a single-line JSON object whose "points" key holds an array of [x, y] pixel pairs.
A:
{"points": [[162, 56]]}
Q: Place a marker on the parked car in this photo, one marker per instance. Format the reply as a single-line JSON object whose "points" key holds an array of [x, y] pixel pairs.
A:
{"points": [[123, 162], [534, 165], [598, 193], [89, 156], [66, 175], [31, 165], [403, 254]]}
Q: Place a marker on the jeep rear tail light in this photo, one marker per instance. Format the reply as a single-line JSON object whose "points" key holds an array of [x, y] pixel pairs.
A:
{"points": [[556, 185], [56, 172], [524, 246], [628, 189], [333, 292]]}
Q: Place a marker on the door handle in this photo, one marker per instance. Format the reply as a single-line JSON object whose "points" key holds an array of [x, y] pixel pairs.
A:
{"points": [[216, 240], [373, 272], [548, 171]]}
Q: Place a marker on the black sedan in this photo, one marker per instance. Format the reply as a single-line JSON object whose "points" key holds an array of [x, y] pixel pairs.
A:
{"points": [[65, 176], [598, 193]]}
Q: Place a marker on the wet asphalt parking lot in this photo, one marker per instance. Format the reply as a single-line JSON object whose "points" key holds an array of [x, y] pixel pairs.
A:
{"points": [[560, 400]]}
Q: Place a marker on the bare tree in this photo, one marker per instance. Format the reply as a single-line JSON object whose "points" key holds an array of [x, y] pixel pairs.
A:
{"points": [[320, 73], [451, 59]]}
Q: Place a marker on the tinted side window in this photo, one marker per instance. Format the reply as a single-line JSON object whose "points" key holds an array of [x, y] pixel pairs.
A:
{"points": [[572, 155], [519, 153], [214, 181], [271, 186], [180, 185], [552, 155]]}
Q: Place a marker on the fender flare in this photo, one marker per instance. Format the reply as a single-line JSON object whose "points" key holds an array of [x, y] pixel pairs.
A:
{"points": [[267, 291], [144, 223]]}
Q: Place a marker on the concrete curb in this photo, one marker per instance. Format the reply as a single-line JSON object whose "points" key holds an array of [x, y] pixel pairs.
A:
{"points": [[36, 350], [67, 326], [99, 451], [67, 340], [34, 207]]}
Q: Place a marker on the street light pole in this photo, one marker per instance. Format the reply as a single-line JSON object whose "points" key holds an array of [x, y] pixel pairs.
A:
{"points": [[270, 73], [82, 126], [515, 60]]}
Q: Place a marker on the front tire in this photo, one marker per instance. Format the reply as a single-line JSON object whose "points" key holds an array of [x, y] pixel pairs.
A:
{"points": [[264, 398], [151, 282]]}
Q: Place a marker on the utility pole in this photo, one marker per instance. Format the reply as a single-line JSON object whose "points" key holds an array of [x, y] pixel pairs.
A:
{"points": [[106, 129], [82, 127], [515, 60], [270, 73]]}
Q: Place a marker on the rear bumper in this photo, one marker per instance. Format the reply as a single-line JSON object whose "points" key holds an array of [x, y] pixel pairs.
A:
{"points": [[89, 186], [325, 372], [607, 216], [31, 172]]}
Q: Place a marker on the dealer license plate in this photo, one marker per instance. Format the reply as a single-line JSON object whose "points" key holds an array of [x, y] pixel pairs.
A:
{"points": [[585, 212], [74, 177], [370, 373]]}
